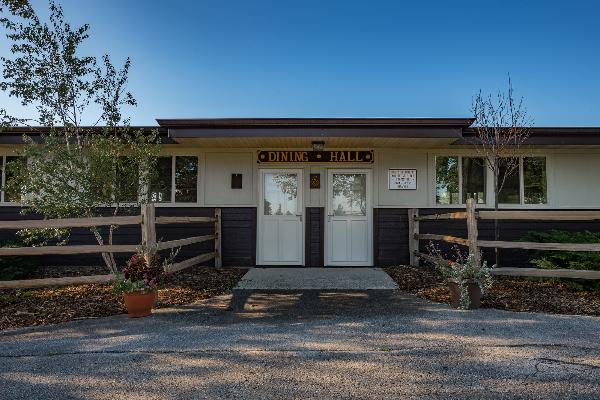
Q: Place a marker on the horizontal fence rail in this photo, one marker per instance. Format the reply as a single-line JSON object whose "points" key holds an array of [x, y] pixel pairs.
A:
{"points": [[540, 215], [45, 282], [78, 249], [183, 220], [471, 216], [71, 222], [534, 272], [147, 220]]}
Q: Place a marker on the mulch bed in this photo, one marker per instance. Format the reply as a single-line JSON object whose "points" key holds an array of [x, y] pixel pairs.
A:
{"points": [[514, 294], [28, 307]]}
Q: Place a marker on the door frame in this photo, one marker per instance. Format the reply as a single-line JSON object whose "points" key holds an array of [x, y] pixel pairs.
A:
{"points": [[260, 214], [328, 208]]}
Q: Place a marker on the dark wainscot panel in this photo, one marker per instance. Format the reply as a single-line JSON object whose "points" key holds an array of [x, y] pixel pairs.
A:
{"points": [[238, 236], [315, 237], [391, 234]]}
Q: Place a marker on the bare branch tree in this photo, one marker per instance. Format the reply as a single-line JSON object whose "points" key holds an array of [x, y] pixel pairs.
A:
{"points": [[502, 127]]}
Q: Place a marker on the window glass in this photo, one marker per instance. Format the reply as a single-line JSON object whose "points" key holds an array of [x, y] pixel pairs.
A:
{"points": [[160, 186], [446, 185], [280, 194], [350, 194], [473, 179], [510, 191], [534, 180], [12, 195], [128, 180], [186, 179]]}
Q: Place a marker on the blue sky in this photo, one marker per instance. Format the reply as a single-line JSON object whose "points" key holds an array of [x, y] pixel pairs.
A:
{"points": [[347, 59]]}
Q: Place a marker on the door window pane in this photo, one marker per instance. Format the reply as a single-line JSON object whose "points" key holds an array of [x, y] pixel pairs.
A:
{"points": [[160, 187], [510, 193], [534, 180], [349, 194], [280, 194], [186, 179], [446, 180], [473, 179]]}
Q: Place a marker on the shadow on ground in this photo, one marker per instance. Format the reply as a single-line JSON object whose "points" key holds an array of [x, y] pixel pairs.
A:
{"points": [[307, 344]]}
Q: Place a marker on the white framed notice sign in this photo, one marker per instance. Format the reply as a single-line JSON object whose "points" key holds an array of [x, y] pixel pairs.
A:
{"points": [[402, 179]]}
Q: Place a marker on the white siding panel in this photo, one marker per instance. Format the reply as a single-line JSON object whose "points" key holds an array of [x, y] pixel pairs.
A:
{"points": [[219, 167], [576, 180]]}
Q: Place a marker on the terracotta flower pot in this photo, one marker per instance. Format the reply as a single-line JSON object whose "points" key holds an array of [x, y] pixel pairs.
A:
{"points": [[139, 304], [474, 294]]}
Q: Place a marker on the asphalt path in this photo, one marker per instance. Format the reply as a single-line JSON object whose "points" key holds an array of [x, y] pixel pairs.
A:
{"points": [[309, 344]]}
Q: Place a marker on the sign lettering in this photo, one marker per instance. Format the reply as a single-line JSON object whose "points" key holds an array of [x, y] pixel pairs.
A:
{"points": [[332, 156]]}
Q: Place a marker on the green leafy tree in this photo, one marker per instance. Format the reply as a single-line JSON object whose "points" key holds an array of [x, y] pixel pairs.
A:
{"points": [[73, 169]]}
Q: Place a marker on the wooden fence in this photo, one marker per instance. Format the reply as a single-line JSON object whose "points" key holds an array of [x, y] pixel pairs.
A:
{"points": [[471, 215], [147, 220]]}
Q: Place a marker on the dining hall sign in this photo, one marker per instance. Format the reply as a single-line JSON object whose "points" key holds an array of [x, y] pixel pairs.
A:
{"points": [[325, 156]]}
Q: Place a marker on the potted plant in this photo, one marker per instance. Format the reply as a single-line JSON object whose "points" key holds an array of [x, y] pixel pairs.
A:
{"points": [[138, 283], [467, 281]]}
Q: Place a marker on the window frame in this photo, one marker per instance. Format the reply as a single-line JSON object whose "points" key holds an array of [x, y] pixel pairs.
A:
{"points": [[460, 180], [172, 201], [489, 198], [521, 171]]}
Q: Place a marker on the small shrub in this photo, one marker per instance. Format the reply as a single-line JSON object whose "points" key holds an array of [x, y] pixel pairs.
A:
{"points": [[139, 276], [462, 269], [588, 260]]}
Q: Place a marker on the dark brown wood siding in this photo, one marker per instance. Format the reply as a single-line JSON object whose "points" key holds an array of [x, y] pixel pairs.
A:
{"points": [[315, 237], [238, 235], [391, 234]]}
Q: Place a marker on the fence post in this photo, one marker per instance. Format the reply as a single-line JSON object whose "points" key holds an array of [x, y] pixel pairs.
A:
{"points": [[413, 229], [218, 255], [148, 226], [472, 231]]}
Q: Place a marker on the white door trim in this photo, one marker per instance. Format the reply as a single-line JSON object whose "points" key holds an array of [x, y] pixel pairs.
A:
{"points": [[260, 214], [329, 211]]}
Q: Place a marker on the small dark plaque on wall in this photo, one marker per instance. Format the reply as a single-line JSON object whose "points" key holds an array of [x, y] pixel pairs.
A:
{"points": [[236, 181], [315, 181]]}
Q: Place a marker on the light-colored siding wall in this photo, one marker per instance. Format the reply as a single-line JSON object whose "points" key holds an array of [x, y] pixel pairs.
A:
{"points": [[218, 168], [402, 159], [576, 180], [573, 177]]}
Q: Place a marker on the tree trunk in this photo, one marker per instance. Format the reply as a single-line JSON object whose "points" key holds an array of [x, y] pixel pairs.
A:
{"points": [[107, 257]]}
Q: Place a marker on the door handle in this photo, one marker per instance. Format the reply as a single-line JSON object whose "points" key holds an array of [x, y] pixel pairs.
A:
{"points": [[299, 215]]}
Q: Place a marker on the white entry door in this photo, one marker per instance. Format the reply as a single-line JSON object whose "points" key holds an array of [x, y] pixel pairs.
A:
{"points": [[280, 225], [349, 229]]}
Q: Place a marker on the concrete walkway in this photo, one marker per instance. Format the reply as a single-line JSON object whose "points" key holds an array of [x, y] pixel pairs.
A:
{"points": [[371, 344], [316, 279]]}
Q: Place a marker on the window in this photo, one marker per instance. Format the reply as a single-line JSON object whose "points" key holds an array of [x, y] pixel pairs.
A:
{"points": [[186, 179], [527, 184], [534, 180], [458, 178], [128, 180], [511, 187], [9, 196], [446, 183], [473, 179], [160, 187], [175, 180]]}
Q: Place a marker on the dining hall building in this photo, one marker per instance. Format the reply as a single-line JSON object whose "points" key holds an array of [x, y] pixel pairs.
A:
{"points": [[336, 191]]}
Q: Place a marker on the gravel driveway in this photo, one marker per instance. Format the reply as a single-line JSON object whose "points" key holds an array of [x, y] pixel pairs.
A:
{"points": [[312, 344]]}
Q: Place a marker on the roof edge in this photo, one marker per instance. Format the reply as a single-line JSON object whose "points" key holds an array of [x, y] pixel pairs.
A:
{"points": [[310, 122]]}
